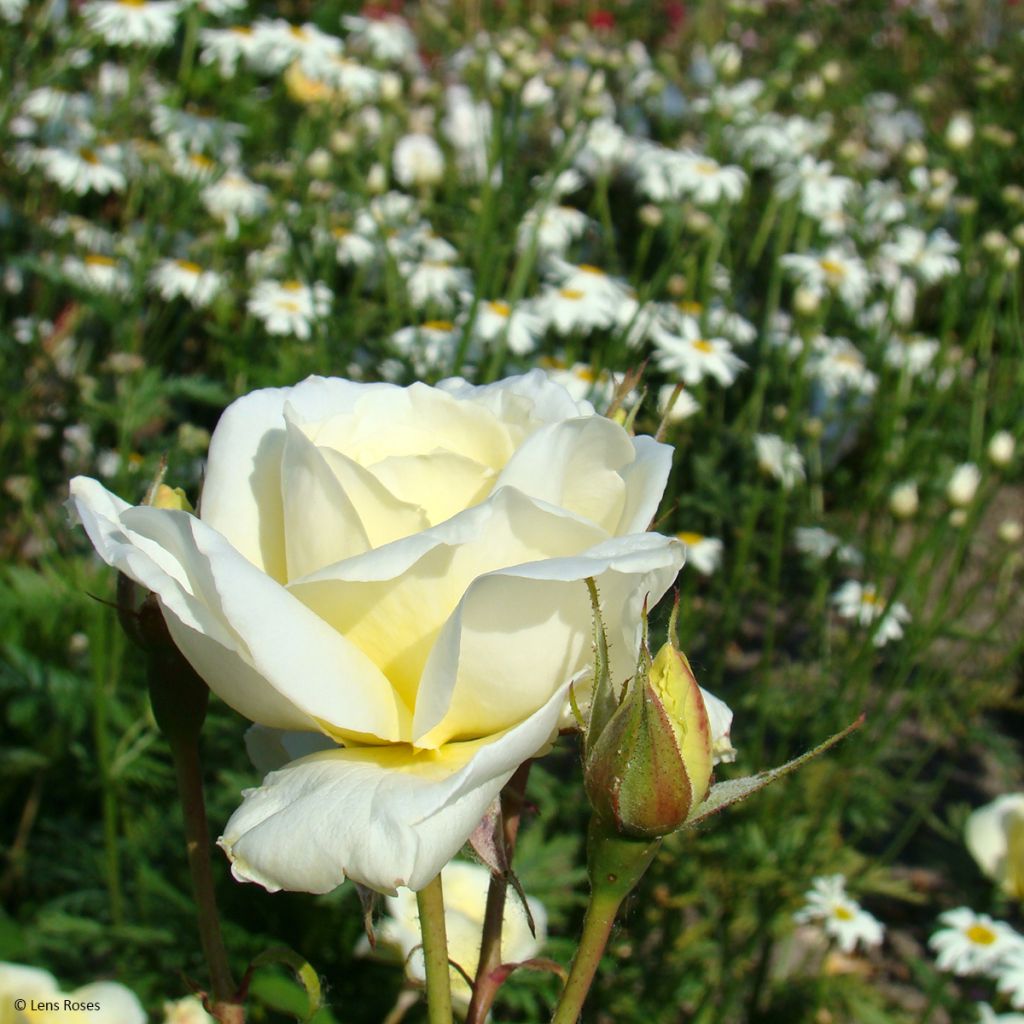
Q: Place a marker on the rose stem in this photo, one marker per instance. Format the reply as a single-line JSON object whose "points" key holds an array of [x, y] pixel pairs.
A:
{"points": [[615, 865], [485, 987], [430, 902], [188, 769]]}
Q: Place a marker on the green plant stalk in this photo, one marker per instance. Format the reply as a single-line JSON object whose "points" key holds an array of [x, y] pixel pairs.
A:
{"points": [[615, 865], [430, 903]]}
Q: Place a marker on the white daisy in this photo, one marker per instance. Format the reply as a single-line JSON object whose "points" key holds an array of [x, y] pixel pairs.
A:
{"points": [[1009, 974], [842, 918], [289, 307], [437, 283], [703, 553], [779, 459], [931, 257], [82, 169], [387, 38], [99, 273], [840, 368], [145, 23], [818, 191], [235, 197], [819, 544], [683, 404], [986, 1015], [690, 356], [912, 353], [417, 161], [971, 943], [519, 328], [836, 270], [225, 47], [552, 229], [429, 346], [863, 603], [572, 310], [183, 279]]}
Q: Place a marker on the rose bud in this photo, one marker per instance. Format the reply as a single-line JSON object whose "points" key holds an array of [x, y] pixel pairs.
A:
{"points": [[651, 764]]}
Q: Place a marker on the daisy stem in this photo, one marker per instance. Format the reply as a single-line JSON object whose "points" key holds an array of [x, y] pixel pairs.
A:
{"points": [[430, 902], [615, 865]]}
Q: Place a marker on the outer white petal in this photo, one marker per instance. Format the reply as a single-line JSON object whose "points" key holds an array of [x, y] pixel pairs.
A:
{"points": [[720, 719], [986, 832], [256, 646], [548, 401], [519, 633], [25, 981], [118, 1005], [383, 816], [242, 491]]}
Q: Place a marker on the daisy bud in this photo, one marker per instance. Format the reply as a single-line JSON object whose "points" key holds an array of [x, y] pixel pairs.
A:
{"points": [[915, 153], [806, 301], [903, 500], [651, 216], [963, 484], [652, 762], [958, 517], [1001, 448], [960, 131], [1010, 531]]}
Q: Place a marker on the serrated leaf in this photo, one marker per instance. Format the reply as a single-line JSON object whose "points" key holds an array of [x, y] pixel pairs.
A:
{"points": [[724, 794]]}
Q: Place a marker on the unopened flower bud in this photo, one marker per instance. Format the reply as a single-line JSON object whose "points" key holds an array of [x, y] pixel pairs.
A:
{"points": [[1010, 531], [915, 153], [806, 301], [963, 484], [903, 501], [173, 498], [651, 764], [651, 216], [960, 131], [1001, 448]]}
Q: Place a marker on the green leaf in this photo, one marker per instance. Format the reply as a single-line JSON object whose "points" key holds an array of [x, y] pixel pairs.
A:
{"points": [[724, 794], [304, 974]]}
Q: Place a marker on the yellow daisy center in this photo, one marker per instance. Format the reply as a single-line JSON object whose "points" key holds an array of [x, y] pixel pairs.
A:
{"points": [[980, 935], [438, 325], [500, 308], [704, 346], [589, 268], [842, 913], [189, 267], [690, 539], [832, 268], [571, 293], [95, 259]]}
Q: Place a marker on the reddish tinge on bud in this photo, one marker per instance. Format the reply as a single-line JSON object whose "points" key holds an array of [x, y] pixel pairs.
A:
{"points": [[650, 766]]}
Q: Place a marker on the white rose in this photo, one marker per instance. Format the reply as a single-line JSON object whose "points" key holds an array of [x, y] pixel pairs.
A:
{"points": [[393, 577], [465, 902]]}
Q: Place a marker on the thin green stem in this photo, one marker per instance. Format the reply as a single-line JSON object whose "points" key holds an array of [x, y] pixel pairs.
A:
{"points": [[189, 772], [597, 927], [430, 902]]}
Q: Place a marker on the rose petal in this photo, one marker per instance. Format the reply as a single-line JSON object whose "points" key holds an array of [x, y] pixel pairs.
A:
{"points": [[382, 816], [520, 633], [391, 603], [257, 647], [575, 464], [242, 490]]}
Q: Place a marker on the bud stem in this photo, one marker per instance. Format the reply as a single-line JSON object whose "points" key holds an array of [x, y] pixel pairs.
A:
{"points": [[485, 988], [430, 903], [187, 767], [615, 864]]}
